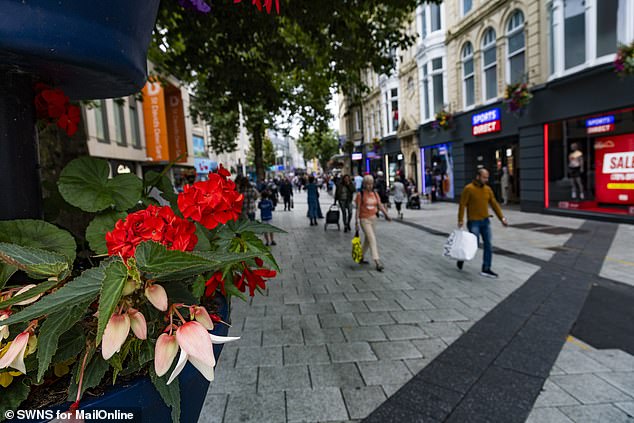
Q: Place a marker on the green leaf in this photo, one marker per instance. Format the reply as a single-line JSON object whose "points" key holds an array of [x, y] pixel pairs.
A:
{"points": [[51, 331], [203, 242], [84, 183], [162, 183], [38, 263], [163, 264], [198, 288], [80, 290], [233, 291], [116, 275], [70, 344], [170, 393], [95, 371], [245, 225], [97, 229], [6, 272], [178, 292], [36, 290], [38, 234], [13, 395]]}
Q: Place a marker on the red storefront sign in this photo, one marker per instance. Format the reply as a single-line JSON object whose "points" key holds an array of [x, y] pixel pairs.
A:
{"points": [[614, 165], [487, 128]]}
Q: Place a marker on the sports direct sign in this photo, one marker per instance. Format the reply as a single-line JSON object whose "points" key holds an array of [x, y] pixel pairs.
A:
{"points": [[615, 169], [600, 125], [486, 122]]}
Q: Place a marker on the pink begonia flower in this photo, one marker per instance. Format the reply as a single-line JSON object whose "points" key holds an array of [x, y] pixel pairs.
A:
{"points": [[202, 316], [138, 323], [4, 329], [30, 300], [197, 347], [14, 357], [164, 353], [157, 296], [114, 336]]}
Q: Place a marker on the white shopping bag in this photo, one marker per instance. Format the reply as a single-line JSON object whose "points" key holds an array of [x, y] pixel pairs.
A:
{"points": [[461, 245]]}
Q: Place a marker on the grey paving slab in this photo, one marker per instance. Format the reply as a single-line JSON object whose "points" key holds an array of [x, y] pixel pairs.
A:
{"points": [[445, 315], [263, 407], [362, 401], [303, 321], [339, 320], [627, 407], [364, 333], [396, 350], [263, 323], [553, 396], [282, 337], [237, 380], [430, 348], [383, 305], [403, 332], [372, 319], [283, 378], [316, 336], [349, 307], [385, 372], [599, 413], [351, 352], [276, 310], [336, 374], [259, 356], [306, 354], [308, 405], [578, 362], [249, 338], [442, 329], [622, 380], [415, 365], [410, 316], [616, 360], [316, 308], [213, 408], [330, 297], [547, 415], [589, 388]]}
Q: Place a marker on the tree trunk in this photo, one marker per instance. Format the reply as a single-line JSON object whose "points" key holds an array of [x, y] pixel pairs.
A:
{"points": [[258, 136]]}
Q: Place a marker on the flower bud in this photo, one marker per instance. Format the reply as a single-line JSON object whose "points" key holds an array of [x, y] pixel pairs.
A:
{"points": [[4, 329], [30, 300], [14, 356], [157, 296], [138, 323], [164, 353], [114, 336], [200, 314], [129, 287]]}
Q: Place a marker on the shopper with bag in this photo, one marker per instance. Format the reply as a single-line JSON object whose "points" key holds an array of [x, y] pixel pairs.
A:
{"points": [[476, 198], [343, 194], [368, 203]]}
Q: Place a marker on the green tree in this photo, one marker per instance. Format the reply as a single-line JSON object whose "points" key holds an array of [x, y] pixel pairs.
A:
{"points": [[268, 153], [320, 145]]}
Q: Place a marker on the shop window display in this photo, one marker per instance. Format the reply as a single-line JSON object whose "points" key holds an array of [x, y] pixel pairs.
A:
{"points": [[590, 163], [438, 168]]}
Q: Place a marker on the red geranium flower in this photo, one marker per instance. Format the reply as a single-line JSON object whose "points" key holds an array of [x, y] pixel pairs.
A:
{"points": [[254, 278], [211, 202], [216, 280], [69, 121], [53, 104], [158, 224]]}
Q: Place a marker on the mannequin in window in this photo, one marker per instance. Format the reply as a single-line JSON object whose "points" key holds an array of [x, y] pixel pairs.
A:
{"points": [[505, 182], [575, 170]]}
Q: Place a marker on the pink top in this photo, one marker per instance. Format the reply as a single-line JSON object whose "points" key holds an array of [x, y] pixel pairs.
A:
{"points": [[368, 209]]}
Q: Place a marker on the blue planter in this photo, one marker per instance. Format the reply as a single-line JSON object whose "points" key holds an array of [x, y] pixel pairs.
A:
{"points": [[90, 49], [140, 397]]}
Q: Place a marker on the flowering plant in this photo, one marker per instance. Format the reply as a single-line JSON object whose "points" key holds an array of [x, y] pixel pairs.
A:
{"points": [[624, 62], [517, 97], [137, 296], [376, 144], [443, 120], [52, 105], [202, 7]]}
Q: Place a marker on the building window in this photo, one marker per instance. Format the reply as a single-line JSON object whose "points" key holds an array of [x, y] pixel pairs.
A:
{"points": [[426, 107], [489, 65], [357, 121], [119, 122], [516, 47], [551, 37], [394, 109], [468, 77], [436, 23], [379, 122], [574, 33], [101, 122], [134, 122], [437, 83], [423, 19], [466, 6], [607, 17]]}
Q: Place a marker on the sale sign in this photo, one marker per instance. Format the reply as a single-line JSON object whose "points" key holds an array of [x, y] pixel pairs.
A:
{"points": [[614, 164]]}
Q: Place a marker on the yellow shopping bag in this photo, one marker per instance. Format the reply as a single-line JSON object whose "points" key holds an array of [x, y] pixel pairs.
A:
{"points": [[357, 251]]}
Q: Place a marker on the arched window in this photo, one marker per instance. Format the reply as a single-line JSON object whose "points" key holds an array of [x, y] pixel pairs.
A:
{"points": [[489, 65], [468, 77], [516, 48]]}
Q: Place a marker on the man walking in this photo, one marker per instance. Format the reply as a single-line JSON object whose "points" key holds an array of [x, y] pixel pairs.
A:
{"points": [[358, 182], [476, 198]]}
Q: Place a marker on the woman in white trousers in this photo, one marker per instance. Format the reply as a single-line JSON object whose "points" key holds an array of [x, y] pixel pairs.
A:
{"points": [[368, 204]]}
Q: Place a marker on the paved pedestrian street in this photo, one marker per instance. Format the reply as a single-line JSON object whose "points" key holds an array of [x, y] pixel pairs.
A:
{"points": [[334, 341]]}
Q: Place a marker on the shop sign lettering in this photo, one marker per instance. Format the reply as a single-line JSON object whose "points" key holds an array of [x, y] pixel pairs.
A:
{"points": [[618, 162], [486, 122], [600, 125]]}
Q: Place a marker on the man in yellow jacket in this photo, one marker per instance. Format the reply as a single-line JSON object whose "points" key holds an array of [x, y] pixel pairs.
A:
{"points": [[476, 198]]}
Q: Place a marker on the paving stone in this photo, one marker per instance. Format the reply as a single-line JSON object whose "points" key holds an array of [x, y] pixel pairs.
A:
{"points": [[553, 396], [259, 356], [316, 308], [383, 305], [229, 354], [288, 309], [238, 380], [298, 298], [578, 362], [622, 380], [445, 315], [450, 376], [338, 320], [628, 407], [311, 354], [402, 332], [283, 378], [263, 407], [596, 413], [263, 323], [330, 297], [213, 408], [372, 319], [303, 321], [613, 359], [349, 307], [430, 348], [385, 372], [282, 337], [547, 415], [409, 304], [391, 388], [250, 338], [316, 336], [351, 352], [410, 316], [441, 329], [415, 365], [315, 405], [336, 374], [589, 388], [396, 350], [362, 401], [364, 333]]}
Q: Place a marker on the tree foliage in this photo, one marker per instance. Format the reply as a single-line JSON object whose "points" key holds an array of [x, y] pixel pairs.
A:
{"points": [[320, 145]]}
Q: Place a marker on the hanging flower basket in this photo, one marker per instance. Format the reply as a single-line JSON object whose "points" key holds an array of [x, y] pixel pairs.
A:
{"points": [[517, 97], [444, 121], [377, 144], [624, 62]]}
